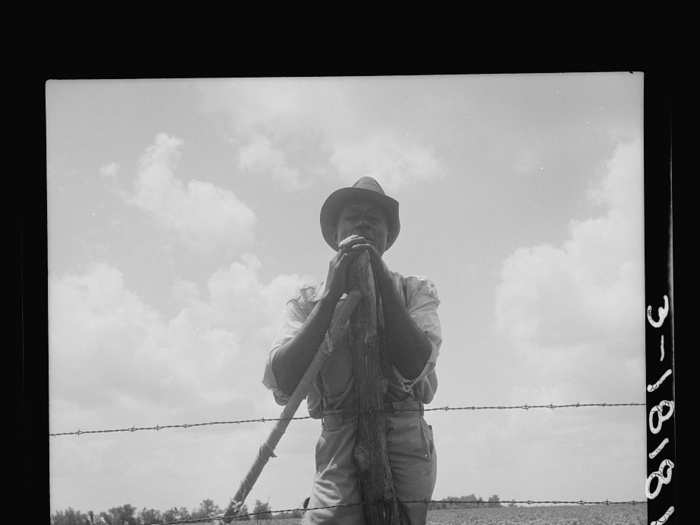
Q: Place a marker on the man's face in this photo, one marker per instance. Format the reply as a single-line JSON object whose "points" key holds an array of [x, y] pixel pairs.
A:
{"points": [[364, 219]]}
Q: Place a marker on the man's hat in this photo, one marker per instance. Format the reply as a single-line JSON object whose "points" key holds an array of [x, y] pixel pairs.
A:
{"points": [[365, 189]]}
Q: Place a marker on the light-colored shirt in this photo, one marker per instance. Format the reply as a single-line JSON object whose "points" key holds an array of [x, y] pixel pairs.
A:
{"points": [[333, 388]]}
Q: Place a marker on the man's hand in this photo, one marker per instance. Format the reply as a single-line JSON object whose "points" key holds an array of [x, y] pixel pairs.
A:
{"points": [[337, 281], [291, 360], [359, 244], [407, 346]]}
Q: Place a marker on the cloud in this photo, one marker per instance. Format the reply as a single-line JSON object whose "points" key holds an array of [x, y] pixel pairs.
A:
{"points": [[201, 214], [109, 170], [575, 311], [282, 106], [572, 319], [116, 360], [260, 157], [393, 162], [321, 126]]}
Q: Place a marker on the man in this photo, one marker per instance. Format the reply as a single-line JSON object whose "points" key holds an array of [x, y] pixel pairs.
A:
{"points": [[354, 220]]}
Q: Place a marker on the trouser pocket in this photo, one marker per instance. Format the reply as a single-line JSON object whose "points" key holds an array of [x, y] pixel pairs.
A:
{"points": [[428, 441], [409, 436], [412, 458]]}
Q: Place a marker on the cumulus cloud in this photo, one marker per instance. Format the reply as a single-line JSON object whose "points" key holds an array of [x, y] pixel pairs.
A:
{"points": [[259, 156], [200, 213], [115, 360], [575, 311], [333, 125], [393, 162], [283, 105]]}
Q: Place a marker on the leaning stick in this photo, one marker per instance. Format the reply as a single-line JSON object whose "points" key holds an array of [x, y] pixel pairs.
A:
{"points": [[340, 320]]}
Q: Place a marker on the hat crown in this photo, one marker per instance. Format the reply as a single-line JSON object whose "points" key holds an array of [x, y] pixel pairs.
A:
{"points": [[368, 183]]}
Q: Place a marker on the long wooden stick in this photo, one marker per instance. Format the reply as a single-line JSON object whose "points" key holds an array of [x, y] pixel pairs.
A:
{"points": [[341, 317]]}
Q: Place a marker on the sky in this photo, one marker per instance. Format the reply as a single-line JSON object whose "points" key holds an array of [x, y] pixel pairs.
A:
{"points": [[183, 213]]}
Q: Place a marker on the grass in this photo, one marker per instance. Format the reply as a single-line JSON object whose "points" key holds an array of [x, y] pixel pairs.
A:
{"points": [[555, 515]]}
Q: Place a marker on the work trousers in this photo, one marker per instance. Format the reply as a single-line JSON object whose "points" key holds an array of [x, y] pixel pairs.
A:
{"points": [[412, 457]]}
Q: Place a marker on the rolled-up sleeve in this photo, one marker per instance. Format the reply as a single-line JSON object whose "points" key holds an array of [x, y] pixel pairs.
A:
{"points": [[294, 319], [422, 303]]}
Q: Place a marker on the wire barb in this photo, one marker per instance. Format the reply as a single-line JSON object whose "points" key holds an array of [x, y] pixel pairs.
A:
{"points": [[269, 513], [525, 406]]}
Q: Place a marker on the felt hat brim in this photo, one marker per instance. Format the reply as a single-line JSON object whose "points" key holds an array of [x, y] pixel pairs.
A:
{"points": [[330, 212]]}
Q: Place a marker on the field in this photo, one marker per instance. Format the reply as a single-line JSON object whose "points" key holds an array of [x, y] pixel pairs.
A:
{"points": [[564, 515], [557, 515]]}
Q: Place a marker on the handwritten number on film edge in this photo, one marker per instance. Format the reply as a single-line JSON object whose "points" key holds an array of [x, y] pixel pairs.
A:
{"points": [[662, 477], [657, 417], [663, 312]]}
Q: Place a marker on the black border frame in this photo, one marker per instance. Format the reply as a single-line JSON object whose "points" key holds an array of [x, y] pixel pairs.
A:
{"points": [[30, 303], [660, 332]]}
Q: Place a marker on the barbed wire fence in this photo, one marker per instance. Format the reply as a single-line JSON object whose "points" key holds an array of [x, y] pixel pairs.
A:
{"points": [[223, 518], [466, 503], [550, 406]]}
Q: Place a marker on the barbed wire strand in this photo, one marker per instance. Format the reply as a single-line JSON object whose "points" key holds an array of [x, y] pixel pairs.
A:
{"points": [[233, 517], [551, 406]]}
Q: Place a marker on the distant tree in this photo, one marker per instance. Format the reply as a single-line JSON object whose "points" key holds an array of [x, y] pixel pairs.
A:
{"points": [[69, 516], [494, 501], [206, 508], [148, 516], [471, 501], [124, 515], [261, 511], [456, 502], [176, 513], [471, 498]]}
